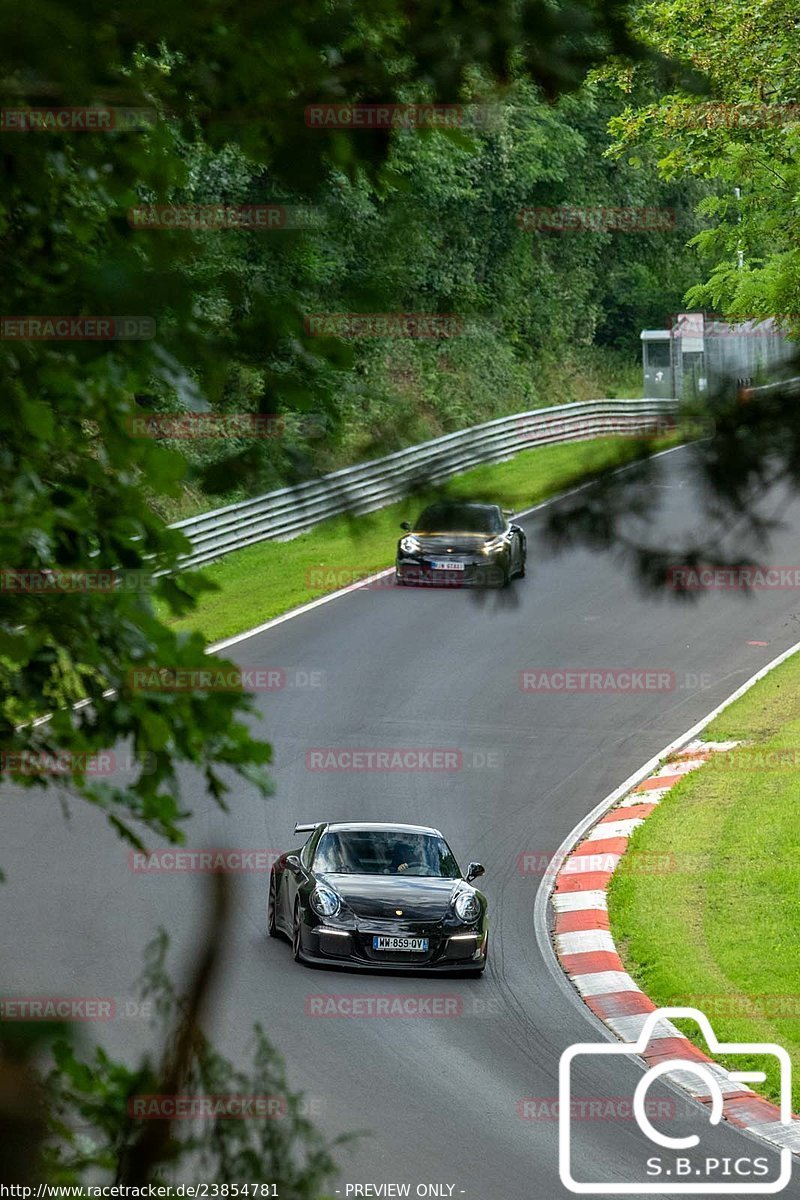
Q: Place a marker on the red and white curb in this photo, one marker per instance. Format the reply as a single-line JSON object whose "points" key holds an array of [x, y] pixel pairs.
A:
{"points": [[589, 957]]}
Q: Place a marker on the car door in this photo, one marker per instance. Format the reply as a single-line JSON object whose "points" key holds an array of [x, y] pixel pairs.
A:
{"points": [[291, 877]]}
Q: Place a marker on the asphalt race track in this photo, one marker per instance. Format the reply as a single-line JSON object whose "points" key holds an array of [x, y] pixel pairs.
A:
{"points": [[391, 667]]}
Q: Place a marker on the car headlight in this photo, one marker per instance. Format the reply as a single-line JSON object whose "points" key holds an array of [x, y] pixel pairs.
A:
{"points": [[467, 906], [410, 545], [324, 901], [493, 546]]}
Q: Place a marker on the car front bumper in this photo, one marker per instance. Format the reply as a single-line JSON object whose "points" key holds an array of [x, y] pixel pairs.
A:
{"points": [[448, 950], [479, 571]]}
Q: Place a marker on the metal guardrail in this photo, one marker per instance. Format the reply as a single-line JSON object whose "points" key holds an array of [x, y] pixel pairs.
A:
{"points": [[284, 513]]}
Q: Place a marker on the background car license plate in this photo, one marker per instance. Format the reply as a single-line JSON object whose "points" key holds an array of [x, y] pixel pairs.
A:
{"points": [[446, 565], [416, 945]]}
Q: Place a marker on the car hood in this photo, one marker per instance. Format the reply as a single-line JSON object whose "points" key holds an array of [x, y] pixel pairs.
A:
{"points": [[372, 896], [459, 543]]}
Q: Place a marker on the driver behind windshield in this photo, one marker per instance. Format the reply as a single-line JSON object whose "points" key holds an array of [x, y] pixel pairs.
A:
{"points": [[405, 855]]}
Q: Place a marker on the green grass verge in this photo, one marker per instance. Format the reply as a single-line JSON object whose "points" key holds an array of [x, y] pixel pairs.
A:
{"points": [[268, 579], [719, 929]]}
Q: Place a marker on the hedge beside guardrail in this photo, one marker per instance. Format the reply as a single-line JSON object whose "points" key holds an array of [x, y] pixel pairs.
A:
{"points": [[291, 510]]}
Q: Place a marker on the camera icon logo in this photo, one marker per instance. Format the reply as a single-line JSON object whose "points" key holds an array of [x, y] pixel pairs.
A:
{"points": [[672, 1180]]}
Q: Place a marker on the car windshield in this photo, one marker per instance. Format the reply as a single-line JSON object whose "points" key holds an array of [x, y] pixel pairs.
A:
{"points": [[385, 852], [460, 518]]}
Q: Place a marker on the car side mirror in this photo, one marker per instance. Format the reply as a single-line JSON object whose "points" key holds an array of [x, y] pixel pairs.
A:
{"points": [[405, 525], [293, 863], [474, 870]]}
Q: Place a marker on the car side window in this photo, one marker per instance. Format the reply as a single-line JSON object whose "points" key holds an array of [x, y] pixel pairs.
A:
{"points": [[328, 856], [447, 865]]}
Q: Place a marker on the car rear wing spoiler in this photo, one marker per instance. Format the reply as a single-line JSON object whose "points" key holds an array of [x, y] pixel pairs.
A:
{"points": [[305, 828]]}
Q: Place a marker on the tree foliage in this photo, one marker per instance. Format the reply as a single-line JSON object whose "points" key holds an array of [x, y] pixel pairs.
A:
{"points": [[409, 219], [741, 137]]}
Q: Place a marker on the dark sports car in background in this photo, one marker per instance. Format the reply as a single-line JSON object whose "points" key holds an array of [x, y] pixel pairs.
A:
{"points": [[461, 543], [378, 896]]}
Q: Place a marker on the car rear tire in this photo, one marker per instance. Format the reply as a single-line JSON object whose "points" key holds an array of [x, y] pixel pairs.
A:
{"points": [[272, 927]]}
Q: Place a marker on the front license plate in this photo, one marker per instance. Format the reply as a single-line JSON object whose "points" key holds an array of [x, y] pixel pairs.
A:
{"points": [[446, 565], [415, 945]]}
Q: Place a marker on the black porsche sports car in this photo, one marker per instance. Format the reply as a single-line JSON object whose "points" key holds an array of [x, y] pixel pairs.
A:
{"points": [[461, 543], [378, 896]]}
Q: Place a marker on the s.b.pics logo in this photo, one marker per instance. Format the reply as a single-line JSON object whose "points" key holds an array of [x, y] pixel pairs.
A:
{"points": [[682, 1158]]}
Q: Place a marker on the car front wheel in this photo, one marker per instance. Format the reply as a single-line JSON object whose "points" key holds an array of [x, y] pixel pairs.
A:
{"points": [[272, 903], [297, 943]]}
